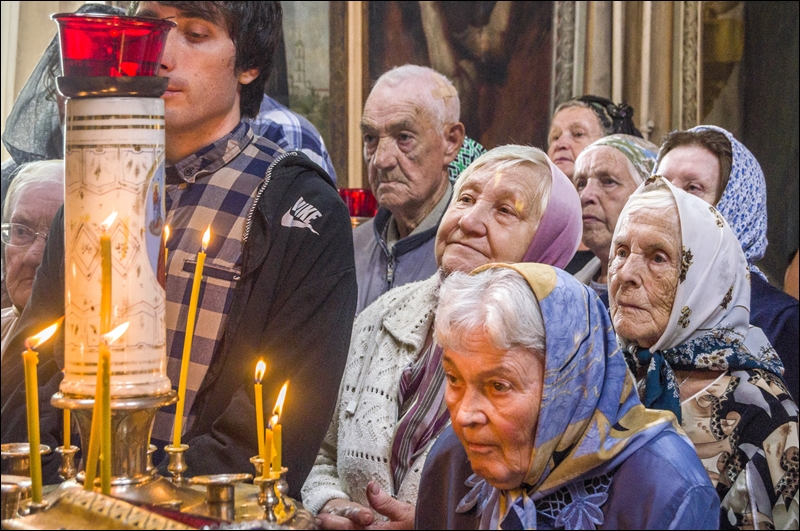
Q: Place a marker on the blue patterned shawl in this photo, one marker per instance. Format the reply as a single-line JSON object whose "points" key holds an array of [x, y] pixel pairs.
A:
{"points": [[590, 418]]}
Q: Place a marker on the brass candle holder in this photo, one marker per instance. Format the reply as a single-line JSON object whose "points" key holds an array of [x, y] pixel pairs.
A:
{"points": [[68, 470], [16, 491], [133, 475], [131, 423], [258, 464], [18, 456], [220, 493], [278, 507], [267, 497], [150, 468], [177, 462]]}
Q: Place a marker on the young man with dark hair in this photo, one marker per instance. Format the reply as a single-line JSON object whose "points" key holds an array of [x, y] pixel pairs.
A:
{"points": [[277, 283]]}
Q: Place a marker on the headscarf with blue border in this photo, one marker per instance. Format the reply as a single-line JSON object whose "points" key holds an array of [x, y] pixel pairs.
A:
{"points": [[708, 327], [590, 417]]}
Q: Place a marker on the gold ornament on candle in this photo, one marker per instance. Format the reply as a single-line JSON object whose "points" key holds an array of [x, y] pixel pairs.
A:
{"points": [[30, 360], [187, 340], [261, 368]]}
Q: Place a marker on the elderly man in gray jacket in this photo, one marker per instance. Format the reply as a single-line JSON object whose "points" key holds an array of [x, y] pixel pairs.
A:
{"points": [[411, 133]]}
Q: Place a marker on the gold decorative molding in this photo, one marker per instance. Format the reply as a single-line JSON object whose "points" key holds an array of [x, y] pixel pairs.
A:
{"points": [[687, 64], [355, 96], [563, 52]]}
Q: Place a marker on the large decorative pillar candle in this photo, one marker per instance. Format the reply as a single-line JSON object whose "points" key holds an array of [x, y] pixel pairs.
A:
{"points": [[115, 163]]}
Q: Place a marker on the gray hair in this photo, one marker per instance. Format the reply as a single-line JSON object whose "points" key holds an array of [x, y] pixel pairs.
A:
{"points": [[660, 200], [442, 109], [506, 158], [496, 301], [634, 174], [42, 171], [607, 129]]}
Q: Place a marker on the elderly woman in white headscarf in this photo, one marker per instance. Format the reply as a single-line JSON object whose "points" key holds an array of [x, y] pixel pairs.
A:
{"points": [[680, 301], [32, 200], [606, 174]]}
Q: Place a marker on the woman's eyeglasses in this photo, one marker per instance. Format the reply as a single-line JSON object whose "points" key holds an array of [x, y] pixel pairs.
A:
{"points": [[19, 235]]}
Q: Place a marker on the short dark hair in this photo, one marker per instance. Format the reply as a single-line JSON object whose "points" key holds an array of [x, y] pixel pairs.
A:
{"points": [[255, 29], [614, 119], [714, 141]]}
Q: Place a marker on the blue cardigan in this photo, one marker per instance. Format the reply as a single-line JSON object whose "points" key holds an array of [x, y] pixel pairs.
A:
{"points": [[662, 485]]}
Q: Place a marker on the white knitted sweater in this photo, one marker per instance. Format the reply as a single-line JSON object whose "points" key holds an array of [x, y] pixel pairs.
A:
{"points": [[387, 336]]}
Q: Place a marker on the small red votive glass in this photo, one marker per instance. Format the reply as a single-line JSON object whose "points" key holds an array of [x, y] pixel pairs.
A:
{"points": [[361, 204], [111, 45]]}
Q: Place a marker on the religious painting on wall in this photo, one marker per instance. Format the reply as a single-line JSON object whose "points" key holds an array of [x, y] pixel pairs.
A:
{"points": [[499, 56], [306, 41]]}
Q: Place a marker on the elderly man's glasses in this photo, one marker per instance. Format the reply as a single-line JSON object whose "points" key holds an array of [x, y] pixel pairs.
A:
{"points": [[19, 235]]}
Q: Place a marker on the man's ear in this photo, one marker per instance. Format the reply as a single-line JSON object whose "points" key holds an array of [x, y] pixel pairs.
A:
{"points": [[453, 138], [246, 77]]}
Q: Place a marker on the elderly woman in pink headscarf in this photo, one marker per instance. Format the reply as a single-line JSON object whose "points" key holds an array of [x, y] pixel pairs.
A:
{"points": [[510, 205]]}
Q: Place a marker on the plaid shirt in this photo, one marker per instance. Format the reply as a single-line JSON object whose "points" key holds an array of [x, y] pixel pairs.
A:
{"points": [[292, 132], [215, 186]]}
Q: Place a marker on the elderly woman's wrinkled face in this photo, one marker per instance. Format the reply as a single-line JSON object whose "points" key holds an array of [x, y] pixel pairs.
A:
{"points": [[494, 397], [493, 219], [35, 207], [643, 274], [572, 129], [604, 182], [693, 169]]}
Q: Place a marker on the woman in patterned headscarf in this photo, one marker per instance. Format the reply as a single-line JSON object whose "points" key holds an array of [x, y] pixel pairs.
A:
{"points": [[709, 162], [541, 398], [606, 174], [679, 299]]}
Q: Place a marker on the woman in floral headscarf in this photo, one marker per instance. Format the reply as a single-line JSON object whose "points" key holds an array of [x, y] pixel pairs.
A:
{"points": [[709, 162], [541, 398], [606, 174], [679, 299]]}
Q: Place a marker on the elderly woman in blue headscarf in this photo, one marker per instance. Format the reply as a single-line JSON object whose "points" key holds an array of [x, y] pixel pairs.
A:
{"points": [[707, 161], [541, 399], [680, 301], [606, 174]]}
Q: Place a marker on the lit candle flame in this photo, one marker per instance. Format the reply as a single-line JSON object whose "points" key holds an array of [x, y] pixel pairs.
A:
{"points": [[166, 233], [41, 337], [276, 413], [261, 368], [109, 221], [115, 334], [206, 238]]}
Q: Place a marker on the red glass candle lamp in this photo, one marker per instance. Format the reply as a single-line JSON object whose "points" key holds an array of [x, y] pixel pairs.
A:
{"points": [[100, 53], [361, 204], [109, 45]]}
